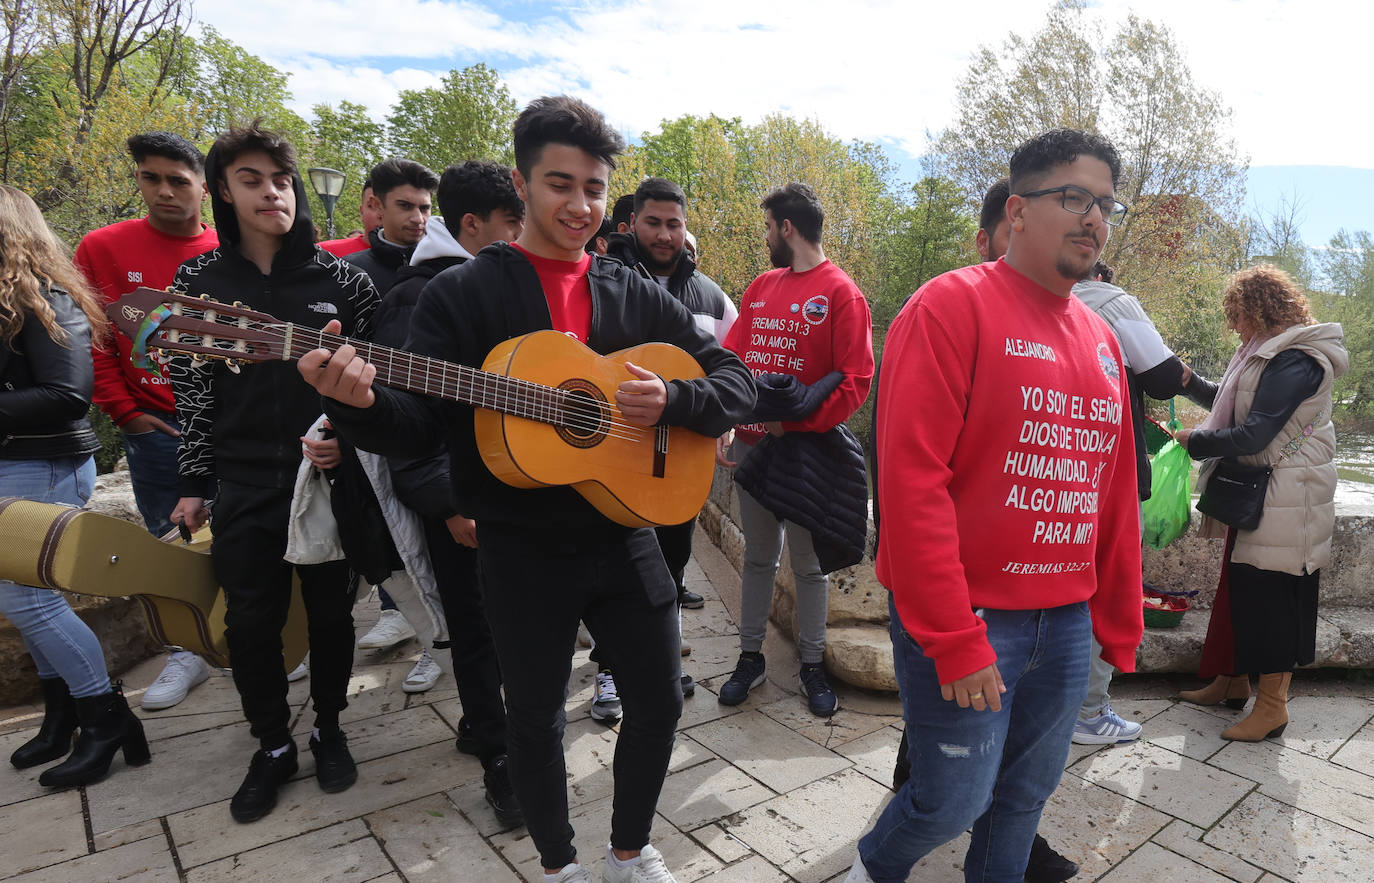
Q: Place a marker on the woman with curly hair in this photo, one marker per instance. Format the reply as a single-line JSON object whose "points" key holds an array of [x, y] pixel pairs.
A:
{"points": [[46, 374], [1272, 408]]}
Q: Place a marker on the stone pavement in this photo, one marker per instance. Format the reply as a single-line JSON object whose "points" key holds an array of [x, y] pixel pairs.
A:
{"points": [[763, 792]]}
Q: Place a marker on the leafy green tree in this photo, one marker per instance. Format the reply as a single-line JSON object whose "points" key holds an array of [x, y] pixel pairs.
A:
{"points": [[230, 86], [1348, 265], [468, 117], [347, 139]]}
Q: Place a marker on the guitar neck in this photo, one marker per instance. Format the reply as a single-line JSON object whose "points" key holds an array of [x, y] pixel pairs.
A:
{"points": [[427, 376]]}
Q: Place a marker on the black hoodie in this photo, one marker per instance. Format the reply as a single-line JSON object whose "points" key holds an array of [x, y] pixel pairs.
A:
{"points": [[246, 427]]}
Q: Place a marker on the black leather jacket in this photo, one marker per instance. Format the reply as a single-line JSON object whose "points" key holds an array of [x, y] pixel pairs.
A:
{"points": [[45, 387]]}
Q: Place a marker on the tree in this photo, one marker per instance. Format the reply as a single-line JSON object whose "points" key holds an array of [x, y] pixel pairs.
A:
{"points": [[21, 39], [230, 86], [1348, 265], [1183, 177], [930, 235], [468, 117], [349, 140]]}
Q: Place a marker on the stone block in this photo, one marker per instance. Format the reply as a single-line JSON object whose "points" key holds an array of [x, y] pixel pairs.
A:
{"points": [[862, 656], [1293, 844], [768, 750], [1178, 785]]}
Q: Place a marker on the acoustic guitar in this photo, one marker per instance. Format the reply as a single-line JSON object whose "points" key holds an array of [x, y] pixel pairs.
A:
{"points": [[544, 404]]}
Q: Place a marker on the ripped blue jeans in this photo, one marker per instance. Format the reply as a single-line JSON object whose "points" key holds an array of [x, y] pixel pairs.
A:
{"points": [[989, 771]]}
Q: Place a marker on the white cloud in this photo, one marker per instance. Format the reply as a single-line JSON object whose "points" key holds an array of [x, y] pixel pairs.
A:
{"points": [[864, 68]]}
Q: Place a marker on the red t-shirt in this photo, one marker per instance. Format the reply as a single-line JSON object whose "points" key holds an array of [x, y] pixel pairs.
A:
{"points": [[807, 325], [1008, 466], [567, 291], [345, 246], [116, 260]]}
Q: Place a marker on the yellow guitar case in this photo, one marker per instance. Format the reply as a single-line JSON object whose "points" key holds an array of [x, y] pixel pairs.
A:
{"points": [[75, 550]]}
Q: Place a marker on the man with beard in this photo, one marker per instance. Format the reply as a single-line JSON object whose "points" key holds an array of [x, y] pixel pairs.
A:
{"points": [[1010, 527], [806, 319]]}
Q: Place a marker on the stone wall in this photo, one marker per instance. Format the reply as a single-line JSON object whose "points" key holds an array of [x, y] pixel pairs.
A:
{"points": [[119, 623], [859, 652]]}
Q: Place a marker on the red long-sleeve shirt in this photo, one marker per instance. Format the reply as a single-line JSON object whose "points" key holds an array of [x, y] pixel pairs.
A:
{"points": [[1008, 471], [116, 260], [807, 325]]}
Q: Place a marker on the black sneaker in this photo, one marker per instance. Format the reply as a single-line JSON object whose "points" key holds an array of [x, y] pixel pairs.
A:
{"points": [[1046, 865], [689, 686], [334, 767], [749, 673], [500, 794], [258, 793], [690, 600], [819, 697], [467, 740]]}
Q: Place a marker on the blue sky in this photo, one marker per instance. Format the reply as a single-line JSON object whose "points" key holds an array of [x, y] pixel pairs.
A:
{"points": [[884, 71]]}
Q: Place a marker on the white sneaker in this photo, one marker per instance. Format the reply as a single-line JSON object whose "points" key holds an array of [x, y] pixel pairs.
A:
{"points": [[390, 630], [858, 873], [1108, 728], [423, 675], [299, 671], [649, 869], [573, 873], [605, 699], [183, 671]]}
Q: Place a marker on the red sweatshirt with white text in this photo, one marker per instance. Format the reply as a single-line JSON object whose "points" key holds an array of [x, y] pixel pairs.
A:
{"points": [[1008, 466], [806, 325]]}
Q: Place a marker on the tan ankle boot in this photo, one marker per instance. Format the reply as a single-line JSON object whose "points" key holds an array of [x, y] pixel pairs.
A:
{"points": [[1270, 714], [1232, 690]]}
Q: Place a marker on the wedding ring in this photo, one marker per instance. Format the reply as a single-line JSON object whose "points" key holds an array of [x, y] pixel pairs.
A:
{"points": [[978, 695]]}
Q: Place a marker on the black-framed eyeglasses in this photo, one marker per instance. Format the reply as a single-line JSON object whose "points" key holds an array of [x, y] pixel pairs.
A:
{"points": [[1080, 202]]}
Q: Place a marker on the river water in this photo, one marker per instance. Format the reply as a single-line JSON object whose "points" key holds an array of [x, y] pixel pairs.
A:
{"points": [[1355, 468]]}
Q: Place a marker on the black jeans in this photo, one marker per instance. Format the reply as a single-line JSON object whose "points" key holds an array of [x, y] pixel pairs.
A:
{"points": [[249, 542], [536, 587], [676, 542], [475, 667]]}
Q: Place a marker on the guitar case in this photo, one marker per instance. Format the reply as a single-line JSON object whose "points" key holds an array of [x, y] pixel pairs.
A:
{"points": [[76, 550]]}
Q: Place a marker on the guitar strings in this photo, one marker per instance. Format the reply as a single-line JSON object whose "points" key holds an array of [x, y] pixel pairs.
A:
{"points": [[555, 398]]}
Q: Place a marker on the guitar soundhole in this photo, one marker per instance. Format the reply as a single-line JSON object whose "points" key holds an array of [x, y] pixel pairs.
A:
{"points": [[585, 414]]}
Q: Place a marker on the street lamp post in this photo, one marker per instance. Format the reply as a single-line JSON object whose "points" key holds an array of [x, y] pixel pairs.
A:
{"points": [[328, 184]]}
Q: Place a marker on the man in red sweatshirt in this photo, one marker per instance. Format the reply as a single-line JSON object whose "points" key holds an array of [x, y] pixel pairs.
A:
{"points": [[145, 252], [807, 319], [1010, 524]]}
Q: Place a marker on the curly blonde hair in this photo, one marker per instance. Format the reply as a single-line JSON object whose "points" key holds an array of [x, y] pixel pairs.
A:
{"points": [[31, 260], [1267, 298]]}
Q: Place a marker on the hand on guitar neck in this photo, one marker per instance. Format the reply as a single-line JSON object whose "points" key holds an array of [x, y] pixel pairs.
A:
{"points": [[344, 377], [341, 375]]}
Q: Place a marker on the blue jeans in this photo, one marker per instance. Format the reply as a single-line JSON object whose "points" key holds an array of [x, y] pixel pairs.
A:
{"points": [[59, 642], [153, 471], [991, 771]]}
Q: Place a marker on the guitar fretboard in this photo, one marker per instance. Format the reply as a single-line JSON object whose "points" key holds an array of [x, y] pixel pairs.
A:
{"points": [[434, 377]]}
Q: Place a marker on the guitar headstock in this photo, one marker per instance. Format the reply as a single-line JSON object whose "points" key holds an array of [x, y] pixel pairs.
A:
{"points": [[164, 321]]}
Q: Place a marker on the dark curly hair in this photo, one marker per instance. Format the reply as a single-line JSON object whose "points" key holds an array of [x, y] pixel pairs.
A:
{"points": [[479, 188], [1267, 298], [1058, 147]]}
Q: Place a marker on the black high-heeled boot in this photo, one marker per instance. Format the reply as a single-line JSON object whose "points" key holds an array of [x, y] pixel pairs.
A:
{"points": [[107, 725], [54, 737]]}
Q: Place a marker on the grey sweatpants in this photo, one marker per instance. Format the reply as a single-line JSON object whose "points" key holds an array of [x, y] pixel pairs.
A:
{"points": [[763, 535]]}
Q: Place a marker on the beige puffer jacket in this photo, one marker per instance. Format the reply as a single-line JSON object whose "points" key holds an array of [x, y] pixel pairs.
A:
{"points": [[1299, 510]]}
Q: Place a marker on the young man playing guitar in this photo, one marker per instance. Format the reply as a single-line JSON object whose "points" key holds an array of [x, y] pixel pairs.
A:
{"points": [[548, 557]]}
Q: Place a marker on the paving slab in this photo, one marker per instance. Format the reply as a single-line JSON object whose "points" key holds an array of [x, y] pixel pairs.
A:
{"points": [[767, 750], [1096, 827], [1188, 730], [844, 726], [708, 792], [1171, 783], [144, 861], [1186, 840], [1299, 780], [1358, 753], [207, 833], [811, 833], [430, 841], [1291, 843], [42, 831], [1321, 725], [128, 834], [875, 755], [342, 853], [1153, 862]]}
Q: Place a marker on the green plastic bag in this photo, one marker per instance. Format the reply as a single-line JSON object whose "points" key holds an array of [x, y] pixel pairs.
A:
{"points": [[1167, 512]]}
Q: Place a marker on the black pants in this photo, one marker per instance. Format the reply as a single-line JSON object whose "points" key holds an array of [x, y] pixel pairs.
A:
{"points": [[536, 588], [676, 542], [249, 542], [475, 667]]}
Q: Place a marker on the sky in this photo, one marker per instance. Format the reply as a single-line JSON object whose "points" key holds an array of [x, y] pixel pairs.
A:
{"points": [[1294, 73]]}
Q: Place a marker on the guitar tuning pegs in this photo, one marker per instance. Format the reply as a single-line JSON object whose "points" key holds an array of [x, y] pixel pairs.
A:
{"points": [[198, 362], [232, 365]]}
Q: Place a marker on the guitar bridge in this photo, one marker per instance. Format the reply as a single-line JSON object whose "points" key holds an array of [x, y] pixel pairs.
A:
{"points": [[660, 451]]}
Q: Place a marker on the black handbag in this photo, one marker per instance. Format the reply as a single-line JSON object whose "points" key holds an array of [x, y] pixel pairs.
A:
{"points": [[1234, 494]]}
